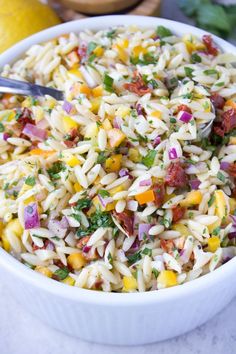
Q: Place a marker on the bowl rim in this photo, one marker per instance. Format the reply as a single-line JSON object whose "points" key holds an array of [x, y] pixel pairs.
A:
{"points": [[19, 270]]}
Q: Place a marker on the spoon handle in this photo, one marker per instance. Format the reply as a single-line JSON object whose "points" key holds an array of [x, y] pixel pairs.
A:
{"points": [[26, 88]]}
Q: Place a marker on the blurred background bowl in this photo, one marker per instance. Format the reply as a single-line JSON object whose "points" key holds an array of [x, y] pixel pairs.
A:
{"points": [[94, 7]]}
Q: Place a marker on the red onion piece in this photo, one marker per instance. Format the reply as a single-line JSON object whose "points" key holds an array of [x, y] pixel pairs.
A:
{"points": [[224, 165], [143, 230], [232, 235], [172, 153], [67, 106], [139, 109], [86, 249], [194, 183], [184, 116], [31, 216], [6, 136], [117, 122], [145, 182], [43, 124], [105, 201], [124, 172], [156, 141], [233, 217], [34, 133]]}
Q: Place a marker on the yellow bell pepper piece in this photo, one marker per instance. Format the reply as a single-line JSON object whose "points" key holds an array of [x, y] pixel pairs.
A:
{"points": [[136, 51], [213, 243], [156, 114], [130, 283], [117, 189], [77, 187], [113, 163], [122, 54], [134, 155], [95, 102], [97, 203], [232, 205], [91, 130], [75, 72], [5, 243], [181, 228], [145, 197], [167, 278], [232, 140], [76, 261], [85, 90], [221, 208], [192, 198], [115, 136], [98, 51], [69, 123], [43, 270], [15, 227], [72, 161], [107, 124], [69, 281], [43, 153], [122, 111], [97, 91], [29, 200]]}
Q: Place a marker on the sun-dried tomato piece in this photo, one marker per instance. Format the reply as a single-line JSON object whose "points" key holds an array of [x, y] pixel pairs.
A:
{"points": [[72, 138], [138, 86], [82, 51], [127, 221], [159, 192], [210, 46], [82, 242], [183, 107], [228, 123], [178, 213], [176, 176], [217, 100], [25, 117], [168, 246], [232, 170]]}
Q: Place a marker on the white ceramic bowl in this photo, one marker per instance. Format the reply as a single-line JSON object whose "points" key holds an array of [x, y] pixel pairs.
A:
{"points": [[113, 318]]}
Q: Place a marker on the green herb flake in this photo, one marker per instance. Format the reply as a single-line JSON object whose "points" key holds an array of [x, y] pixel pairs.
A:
{"points": [[83, 203], [108, 83], [110, 258], [103, 193], [210, 72], [163, 32], [1, 128], [55, 169], [195, 58], [148, 160], [211, 200], [111, 34], [216, 231], [101, 157], [172, 120], [91, 47], [30, 181], [133, 258], [61, 274], [147, 251], [221, 177], [77, 217], [220, 84], [155, 272]]}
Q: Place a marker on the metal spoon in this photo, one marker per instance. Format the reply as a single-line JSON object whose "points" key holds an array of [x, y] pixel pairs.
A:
{"points": [[25, 88]]}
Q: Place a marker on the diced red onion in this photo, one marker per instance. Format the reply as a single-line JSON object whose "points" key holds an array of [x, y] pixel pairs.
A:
{"points": [[117, 122], [57, 228], [31, 216], [194, 183], [105, 201], [86, 249], [143, 230], [64, 223], [184, 116], [232, 235], [139, 109], [124, 172], [67, 106], [43, 124], [5, 136], [145, 182], [224, 165], [172, 153], [135, 246], [156, 141], [233, 217], [34, 133]]}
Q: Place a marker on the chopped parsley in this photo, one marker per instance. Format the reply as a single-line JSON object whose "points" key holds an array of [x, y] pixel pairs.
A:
{"points": [[83, 203], [163, 32], [54, 171], [147, 251], [210, 72], [188, 71], [91, 47], [172, 120], [110, 258], [219, 84], [61, 274], [103, 193], [216, 231], [148, 58], [155, 272], [211, 200], [108, 83], [1, 128], [77, 217], [111, 34], [195, 58], [148, 160], [97, 219], [133, 258], [101, 157], [220, 176], [30, 181]]}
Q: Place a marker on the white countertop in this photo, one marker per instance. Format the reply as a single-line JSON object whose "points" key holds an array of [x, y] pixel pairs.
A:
{"points": [[21, 333]]}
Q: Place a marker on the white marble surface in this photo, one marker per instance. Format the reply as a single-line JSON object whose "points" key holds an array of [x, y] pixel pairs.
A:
{"points": [[21, 333]]}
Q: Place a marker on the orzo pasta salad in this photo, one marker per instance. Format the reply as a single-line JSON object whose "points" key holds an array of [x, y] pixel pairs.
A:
{"points": [[114, 188]]}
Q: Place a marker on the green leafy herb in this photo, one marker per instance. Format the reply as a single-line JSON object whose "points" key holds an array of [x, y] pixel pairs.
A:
{"points": [[148, 58], [211, 200], [77, 217], [61, 273], [216, 231], [206, 145], [92, 58], [221, 176], [188, 71], [219, 84], [111, 34], [108, 83], [83, 203], [82, 232], [155, 272], [30, 181], [54, 171], [153, 83], [147, 251], [101, 219], [133, 258], [103, 193], [110, 258], [195, 58], [163, 32], [148, 160], [6, 185], [91, 47], [210, 72], [1, 128], [172, 120], [101, 157]]}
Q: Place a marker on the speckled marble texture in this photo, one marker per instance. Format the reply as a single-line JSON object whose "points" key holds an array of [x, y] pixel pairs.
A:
{"points": [[21, 333]]}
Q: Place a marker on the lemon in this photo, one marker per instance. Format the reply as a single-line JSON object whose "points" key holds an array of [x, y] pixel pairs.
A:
{"points": [[21, 18]]}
